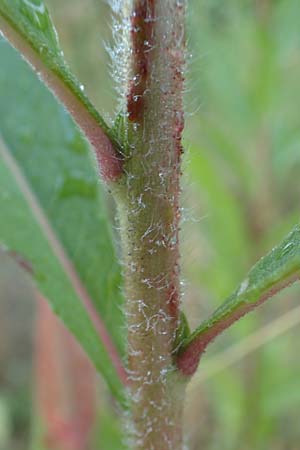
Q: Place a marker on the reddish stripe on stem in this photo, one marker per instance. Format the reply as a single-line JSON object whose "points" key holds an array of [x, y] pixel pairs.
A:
{"points": [[142, 19]]}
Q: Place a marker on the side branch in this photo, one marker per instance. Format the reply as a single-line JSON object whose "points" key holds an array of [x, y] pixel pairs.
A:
{"points": [[275, 271], [54, 72]]}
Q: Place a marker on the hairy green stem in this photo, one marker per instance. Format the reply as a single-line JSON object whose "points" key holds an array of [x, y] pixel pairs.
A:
{"points": [[148, 202]]}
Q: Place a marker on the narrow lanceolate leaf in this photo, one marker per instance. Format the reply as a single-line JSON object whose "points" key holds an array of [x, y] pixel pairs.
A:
{"points": [[27, 26], [278, 269], [52, 214]]}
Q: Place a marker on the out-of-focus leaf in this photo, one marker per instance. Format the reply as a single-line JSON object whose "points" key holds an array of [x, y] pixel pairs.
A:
{"points": [[110, 435], [224, 224], [65, 385]]}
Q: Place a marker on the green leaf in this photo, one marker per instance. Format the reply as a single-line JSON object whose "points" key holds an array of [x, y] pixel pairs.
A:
{"points": [[272, 273], [45, 155], [27, 24], [277, 270]]}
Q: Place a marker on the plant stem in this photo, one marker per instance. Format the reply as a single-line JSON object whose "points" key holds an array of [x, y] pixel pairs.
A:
{"points": [[156, 390], [149, 213]]}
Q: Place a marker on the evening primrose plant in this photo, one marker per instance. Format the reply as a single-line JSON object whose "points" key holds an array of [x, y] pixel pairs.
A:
{"points": [[125, 311]]}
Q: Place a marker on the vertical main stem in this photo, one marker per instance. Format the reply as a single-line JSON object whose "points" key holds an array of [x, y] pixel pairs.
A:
{"points": [[156, 391], [149, 212]]}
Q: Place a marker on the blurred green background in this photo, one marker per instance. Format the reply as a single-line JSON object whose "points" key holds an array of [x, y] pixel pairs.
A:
{"points": [[241, 192]]}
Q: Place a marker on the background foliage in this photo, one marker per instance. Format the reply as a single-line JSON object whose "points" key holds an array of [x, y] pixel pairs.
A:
{"points": [[240, 196]]}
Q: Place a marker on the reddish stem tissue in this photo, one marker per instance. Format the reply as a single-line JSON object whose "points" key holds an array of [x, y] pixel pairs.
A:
{"points": [[142, 20]]}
